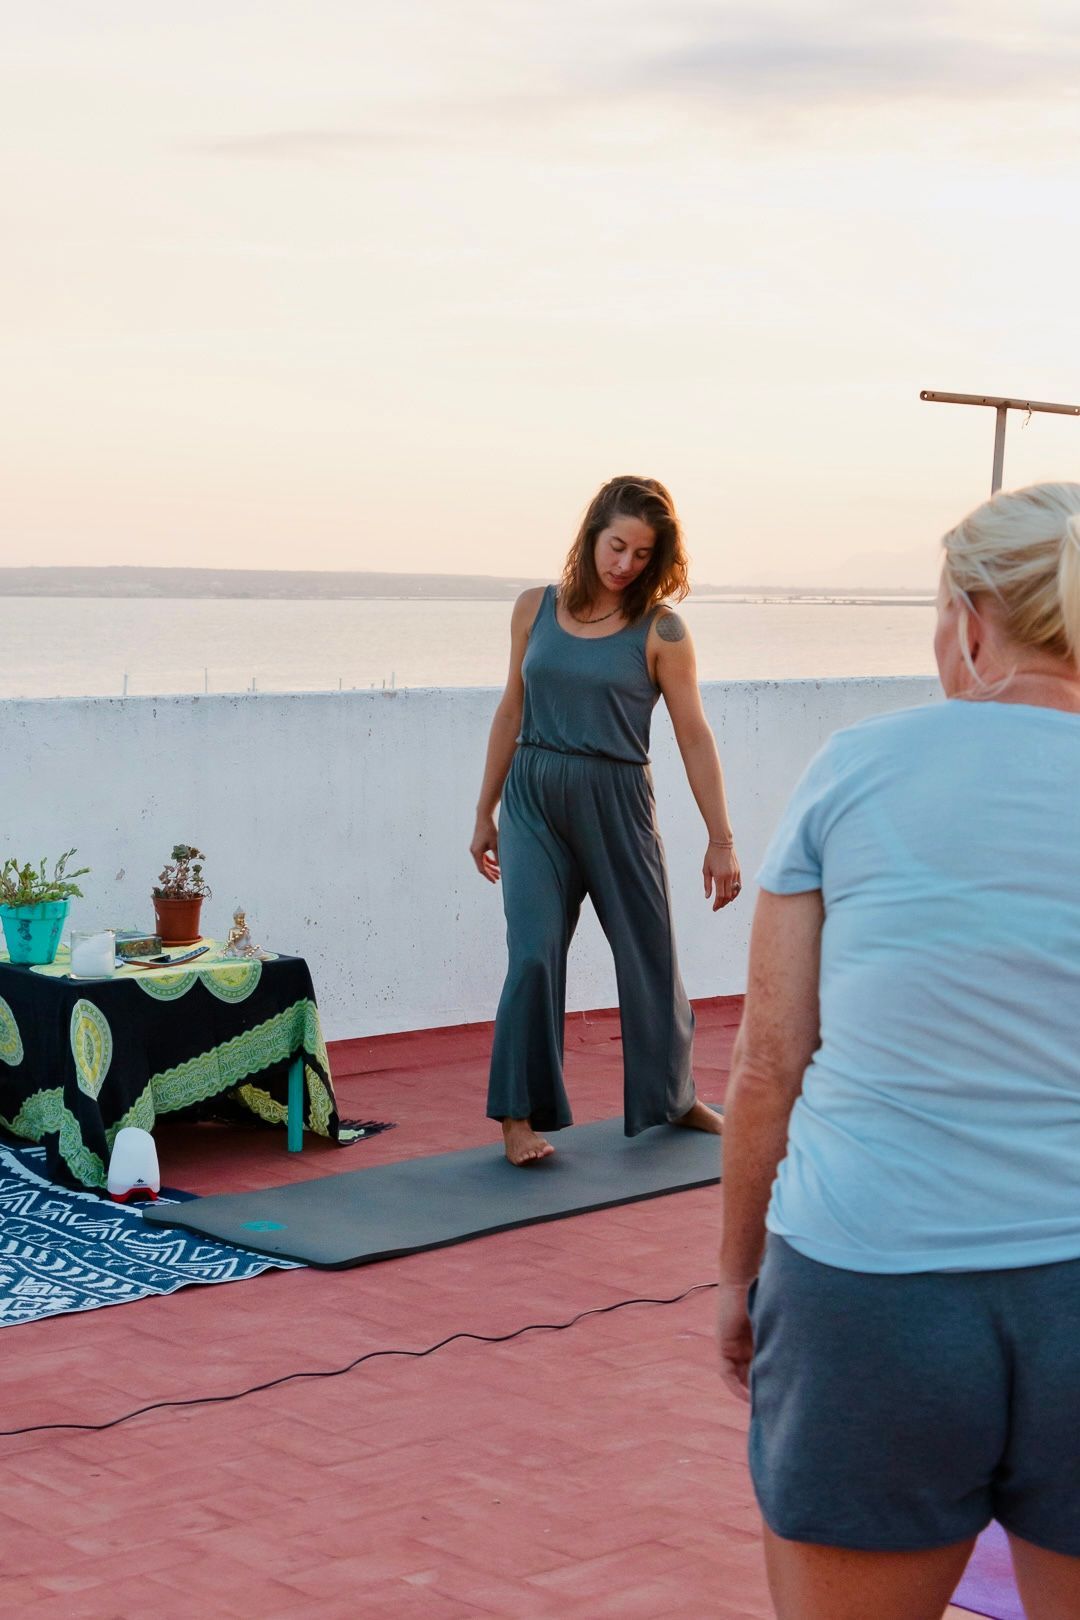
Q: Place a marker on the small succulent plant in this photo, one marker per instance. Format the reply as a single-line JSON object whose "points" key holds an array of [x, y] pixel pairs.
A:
{"points": [[182, 879]]}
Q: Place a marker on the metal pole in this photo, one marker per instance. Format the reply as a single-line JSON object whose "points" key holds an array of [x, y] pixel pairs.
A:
{"points": [[1002, 406], [999, 448]]}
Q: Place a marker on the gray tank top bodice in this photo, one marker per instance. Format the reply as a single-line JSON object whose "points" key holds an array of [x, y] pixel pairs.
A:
{"points": [[587, 695]]}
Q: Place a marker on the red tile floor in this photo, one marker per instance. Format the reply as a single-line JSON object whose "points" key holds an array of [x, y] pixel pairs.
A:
{"points": [[589, 1473]]}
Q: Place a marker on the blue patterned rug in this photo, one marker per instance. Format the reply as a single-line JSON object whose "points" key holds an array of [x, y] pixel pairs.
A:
{"points": [[62, 1250]]}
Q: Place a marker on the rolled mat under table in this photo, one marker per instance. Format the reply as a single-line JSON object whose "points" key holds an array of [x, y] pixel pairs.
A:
{"points": [[360, 1216]]}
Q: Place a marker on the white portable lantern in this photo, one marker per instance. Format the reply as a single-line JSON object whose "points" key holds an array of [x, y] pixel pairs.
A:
{"points": [[133, 1167]]}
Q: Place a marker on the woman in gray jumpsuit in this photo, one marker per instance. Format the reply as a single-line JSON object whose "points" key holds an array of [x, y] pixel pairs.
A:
{"points": [[568, 756]]}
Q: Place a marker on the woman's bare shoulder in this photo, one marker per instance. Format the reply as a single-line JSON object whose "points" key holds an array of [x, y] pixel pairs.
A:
{"points": [[528, 604], [531, 597], [668, 625]]}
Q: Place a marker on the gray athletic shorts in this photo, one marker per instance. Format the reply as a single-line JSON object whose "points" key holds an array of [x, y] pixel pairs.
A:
{"points": [[892, 1413]]}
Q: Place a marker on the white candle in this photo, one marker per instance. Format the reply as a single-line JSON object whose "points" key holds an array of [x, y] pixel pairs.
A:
{"points": [[93, 956]]}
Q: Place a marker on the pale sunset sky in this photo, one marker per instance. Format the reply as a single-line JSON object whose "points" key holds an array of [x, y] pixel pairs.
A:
{"points": [[356, 285]]}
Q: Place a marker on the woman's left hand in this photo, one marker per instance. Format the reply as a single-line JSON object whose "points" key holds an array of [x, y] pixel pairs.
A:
{"points": [[736, 1339], [720, 870]]}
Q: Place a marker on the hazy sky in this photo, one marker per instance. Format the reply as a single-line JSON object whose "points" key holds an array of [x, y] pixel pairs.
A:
{"points": [[346, 284]]}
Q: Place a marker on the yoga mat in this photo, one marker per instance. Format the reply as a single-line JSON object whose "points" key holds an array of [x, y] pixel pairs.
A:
{"points": [[989, 1586], [360, 1216]]}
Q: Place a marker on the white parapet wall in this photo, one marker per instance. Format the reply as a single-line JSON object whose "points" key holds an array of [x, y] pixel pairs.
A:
{"points": [[341, 822]]}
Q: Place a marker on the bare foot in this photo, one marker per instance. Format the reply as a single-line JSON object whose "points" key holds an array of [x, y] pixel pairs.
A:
{"points": [[523, 1146], [702, 1118]]}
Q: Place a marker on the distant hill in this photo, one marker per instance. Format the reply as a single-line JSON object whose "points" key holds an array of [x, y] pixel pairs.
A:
{"points": [[254, 583], [318, 584]]}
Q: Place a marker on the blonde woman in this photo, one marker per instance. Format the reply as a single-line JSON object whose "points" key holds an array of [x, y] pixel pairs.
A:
{"points": [[902, 1170]]}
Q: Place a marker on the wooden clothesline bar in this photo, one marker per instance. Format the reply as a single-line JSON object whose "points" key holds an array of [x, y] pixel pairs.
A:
{"points": [[999, 403]]}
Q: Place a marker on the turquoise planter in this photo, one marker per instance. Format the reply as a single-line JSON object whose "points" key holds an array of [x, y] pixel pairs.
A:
{"points": [[32, 933]]}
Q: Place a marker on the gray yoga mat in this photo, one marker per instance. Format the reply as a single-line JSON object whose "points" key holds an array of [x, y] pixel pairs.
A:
{"points": [[360, 1216]]}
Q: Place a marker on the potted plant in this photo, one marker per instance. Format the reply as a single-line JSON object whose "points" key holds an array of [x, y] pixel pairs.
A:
{"points": [[34, 907], [178, 896]]}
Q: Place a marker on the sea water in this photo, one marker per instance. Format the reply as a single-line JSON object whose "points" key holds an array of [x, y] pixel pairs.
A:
{"points": [[63, 647]]}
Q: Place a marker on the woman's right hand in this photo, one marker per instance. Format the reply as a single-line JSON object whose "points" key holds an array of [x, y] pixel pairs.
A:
{"points": [[735, 1338], [484, 848]]}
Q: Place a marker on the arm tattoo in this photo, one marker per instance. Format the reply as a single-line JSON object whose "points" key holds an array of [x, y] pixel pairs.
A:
{"points": [[669, 627]]}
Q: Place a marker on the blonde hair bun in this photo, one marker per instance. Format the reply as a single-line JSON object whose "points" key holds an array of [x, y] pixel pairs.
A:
{"points": [[1023, 547]]}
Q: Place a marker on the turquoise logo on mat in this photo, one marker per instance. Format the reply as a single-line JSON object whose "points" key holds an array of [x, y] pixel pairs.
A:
{"points": [[263, 1226]]}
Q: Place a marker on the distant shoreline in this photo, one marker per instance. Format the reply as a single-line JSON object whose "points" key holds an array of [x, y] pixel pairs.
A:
{"points": [[213, 584]]}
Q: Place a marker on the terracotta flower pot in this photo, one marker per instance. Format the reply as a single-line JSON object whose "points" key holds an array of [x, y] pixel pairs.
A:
{"points": [[178, 920]]}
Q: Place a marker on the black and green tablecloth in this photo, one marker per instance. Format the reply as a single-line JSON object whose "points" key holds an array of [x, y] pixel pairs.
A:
{"points": [[79, 1059]]}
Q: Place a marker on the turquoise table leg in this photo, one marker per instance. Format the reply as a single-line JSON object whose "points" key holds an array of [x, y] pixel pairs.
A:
{"points": [[296, 1104]]}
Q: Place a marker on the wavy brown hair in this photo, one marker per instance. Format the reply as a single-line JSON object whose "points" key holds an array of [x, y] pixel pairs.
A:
{"points": [[665, 575]]}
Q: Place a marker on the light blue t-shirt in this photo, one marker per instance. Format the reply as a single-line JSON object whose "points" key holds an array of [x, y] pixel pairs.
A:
{"points": [[939, 1123]]}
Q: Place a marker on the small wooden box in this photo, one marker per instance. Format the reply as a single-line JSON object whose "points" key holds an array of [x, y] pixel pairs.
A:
{"points": [[135, 945]]}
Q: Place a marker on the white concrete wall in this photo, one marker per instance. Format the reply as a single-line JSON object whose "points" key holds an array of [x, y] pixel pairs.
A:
{"points": [[341, 822]]}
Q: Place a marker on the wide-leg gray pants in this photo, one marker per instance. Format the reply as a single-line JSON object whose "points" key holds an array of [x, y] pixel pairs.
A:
{"points": [[573, 825]]}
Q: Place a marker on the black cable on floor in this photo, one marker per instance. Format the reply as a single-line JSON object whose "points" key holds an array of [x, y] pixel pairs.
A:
{"points": [[370, 1355]]}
